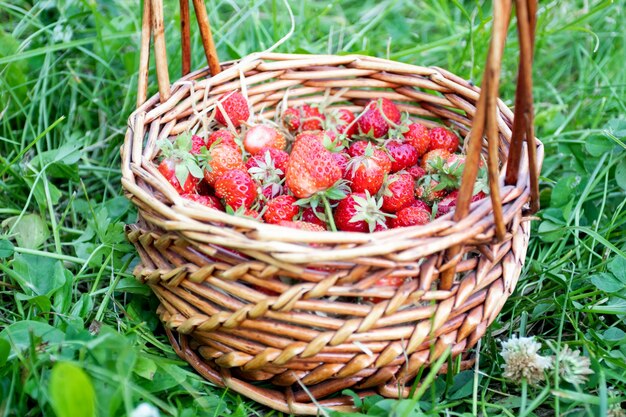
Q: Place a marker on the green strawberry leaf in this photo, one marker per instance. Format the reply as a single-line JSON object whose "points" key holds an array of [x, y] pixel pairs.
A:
{"points": [[182, 173], [184, 142], [193, 168]]}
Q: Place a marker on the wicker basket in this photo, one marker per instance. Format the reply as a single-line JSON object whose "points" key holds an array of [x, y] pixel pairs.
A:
{"points": [[211, 270]]}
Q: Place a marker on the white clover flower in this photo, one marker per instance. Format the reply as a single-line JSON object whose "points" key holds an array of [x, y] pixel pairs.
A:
{"points": [[145, 410], [572, 367], [521, 360]]}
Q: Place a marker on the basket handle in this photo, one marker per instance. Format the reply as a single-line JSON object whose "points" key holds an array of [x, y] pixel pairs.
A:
{"points": [[485, 124], [152, 24]]}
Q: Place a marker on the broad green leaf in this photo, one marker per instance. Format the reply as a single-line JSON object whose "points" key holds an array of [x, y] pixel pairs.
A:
{"points": [[598, 145], [30, 230], [614, 334], [618, 268], [563, 191], [39, 275], [6, 249], [463, 385], [71, 391], [606, 282], [550, 232], [19, 334], [145, 367]]}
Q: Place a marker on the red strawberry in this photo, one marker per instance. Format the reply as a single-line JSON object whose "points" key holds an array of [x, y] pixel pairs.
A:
{"points": [[418, 136], [374, 120], [196, 144], [341, 159], [342, 119], [411, 216], [263, 136], [222, 136], [237, 188], [427, 190], [416, 172], [387, 281], [312, 118], [205, 200], [359, 212], [431, 159], [280, 208], [311, 168], [220, 159], [398, 192], [291, 119], [442, 138], [449, 202], [253, 214], [358, 148], [421, 205], [236, 107], [308, 215], [179, 166], [167, 168], [403, 155], [278, 157], [367, 172], [306, 226]]}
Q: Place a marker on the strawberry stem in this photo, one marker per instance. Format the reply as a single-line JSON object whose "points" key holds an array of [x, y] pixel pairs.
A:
{"points": [[329, 213]]}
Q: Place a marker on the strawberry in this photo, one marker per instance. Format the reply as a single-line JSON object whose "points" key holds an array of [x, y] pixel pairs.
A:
{"points": [[311, 168], [236, 108], [377, 117], [430, 190], [263, 136], [206, 200], [291, 119], [264, 169], [359, 212], [278, 157], [341, 159], [431, 159], [411, 216], [222, 136], [387, 281], [398, 192], [342, 120], [449, 202], [312, 118], [416, 172], [237, 188], [219, 159], [280, 208], [442, 138], [179, 165], [306, 226], [403, 155], [168, 167], [421, 205], [418, 136], [367, 172], [310, 215], [196, 144], [358, 148]]}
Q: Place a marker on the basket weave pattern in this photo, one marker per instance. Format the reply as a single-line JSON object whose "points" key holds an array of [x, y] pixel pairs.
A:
{"points": [[211, 271]]}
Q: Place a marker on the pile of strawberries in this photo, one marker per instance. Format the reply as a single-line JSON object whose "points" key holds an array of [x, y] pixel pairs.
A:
{"points": [[317, 168]]}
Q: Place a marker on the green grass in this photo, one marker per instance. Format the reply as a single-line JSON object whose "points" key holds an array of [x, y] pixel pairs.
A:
{"points": [[67, 82]]}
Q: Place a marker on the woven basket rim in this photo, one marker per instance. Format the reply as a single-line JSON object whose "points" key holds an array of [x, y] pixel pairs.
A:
{"points": [[189, 216]]}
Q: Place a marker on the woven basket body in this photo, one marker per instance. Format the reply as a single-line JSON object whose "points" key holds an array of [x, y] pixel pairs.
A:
{"points": [[211, 270], [291, 318]]}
